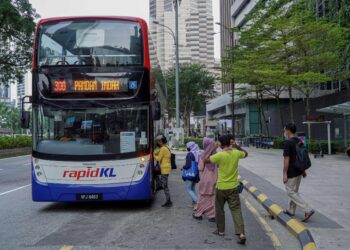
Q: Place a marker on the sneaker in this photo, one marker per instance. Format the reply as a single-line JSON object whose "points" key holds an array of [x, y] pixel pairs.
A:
{"points": [[167, 204]]}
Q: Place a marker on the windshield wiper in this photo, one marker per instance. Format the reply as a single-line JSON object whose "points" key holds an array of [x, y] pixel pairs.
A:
{"points": [[53, 104], [101, 104]]}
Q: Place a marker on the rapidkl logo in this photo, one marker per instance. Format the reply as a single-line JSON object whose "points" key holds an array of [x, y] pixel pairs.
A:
{"points": [[88, 173]]}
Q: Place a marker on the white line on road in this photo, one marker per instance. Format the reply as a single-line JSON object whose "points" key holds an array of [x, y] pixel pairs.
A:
{"points": [[3, 159], [15, 189], [1, 169]]}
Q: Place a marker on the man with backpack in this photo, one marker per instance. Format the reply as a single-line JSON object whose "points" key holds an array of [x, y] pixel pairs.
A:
{"points": [[296, 162]]}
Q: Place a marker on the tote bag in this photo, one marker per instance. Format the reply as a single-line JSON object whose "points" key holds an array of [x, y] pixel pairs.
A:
{"points": [[191, 173]]}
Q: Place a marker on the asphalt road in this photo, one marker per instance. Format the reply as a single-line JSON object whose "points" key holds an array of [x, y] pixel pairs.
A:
{"points": [[29, 225]]}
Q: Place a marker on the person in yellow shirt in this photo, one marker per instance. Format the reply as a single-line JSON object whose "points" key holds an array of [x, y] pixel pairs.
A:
{"points": [[163, 156]]}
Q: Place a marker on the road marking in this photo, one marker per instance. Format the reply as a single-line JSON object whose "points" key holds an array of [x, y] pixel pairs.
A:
{"points": [[15, 189], [3, 159], [1, 169], [66, 247], [275, 241]]}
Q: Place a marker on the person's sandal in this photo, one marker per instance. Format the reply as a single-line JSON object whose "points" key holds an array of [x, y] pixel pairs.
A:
{"points": [[288, 213], [241, 239], [218, 233], [308, 215], [197, 217]]}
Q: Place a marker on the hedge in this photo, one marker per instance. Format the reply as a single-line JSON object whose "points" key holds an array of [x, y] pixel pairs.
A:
{"points": [[314, 147], [18, 141], [199, 141]]}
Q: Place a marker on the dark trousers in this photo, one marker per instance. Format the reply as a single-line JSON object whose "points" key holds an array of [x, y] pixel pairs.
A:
{"points": [[164, 183], [231, 196]]}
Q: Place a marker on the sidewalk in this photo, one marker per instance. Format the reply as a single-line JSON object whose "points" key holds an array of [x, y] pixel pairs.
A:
{"points": [[326, 189]]}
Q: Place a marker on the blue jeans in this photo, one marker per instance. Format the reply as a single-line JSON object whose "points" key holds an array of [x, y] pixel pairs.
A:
{"points": [[191, 190]]}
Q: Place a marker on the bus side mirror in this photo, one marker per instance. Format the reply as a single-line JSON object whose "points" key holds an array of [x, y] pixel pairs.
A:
{"points": [[25, 119], [156, 111]]}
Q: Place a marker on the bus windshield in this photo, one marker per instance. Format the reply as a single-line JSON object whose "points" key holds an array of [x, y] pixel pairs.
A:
{"points": [[90, 43], [90, 131]]}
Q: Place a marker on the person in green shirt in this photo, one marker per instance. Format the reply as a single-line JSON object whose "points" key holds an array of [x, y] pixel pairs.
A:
{"points": [[227, 184]]}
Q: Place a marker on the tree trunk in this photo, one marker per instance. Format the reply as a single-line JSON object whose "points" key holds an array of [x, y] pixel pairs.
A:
{"points": [[308, 115], [263, 114], [291, 109], [259, 111], [280, 110]]}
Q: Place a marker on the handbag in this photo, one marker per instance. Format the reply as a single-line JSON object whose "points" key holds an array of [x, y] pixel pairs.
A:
{"points": [[240, 187], [156, 168], [172, 160], [191, 173]]}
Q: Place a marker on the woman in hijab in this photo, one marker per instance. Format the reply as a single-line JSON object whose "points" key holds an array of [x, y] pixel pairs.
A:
{"points": [[208, 175], [192, 155]]}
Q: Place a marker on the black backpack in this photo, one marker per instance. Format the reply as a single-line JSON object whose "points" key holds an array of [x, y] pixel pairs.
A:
{"points": [[172, 160], [302, 159]]}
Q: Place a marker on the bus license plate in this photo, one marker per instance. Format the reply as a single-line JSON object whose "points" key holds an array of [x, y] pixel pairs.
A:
{"points": [[89, 197]]}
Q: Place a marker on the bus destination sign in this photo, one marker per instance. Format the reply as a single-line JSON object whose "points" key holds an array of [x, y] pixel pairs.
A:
{"points": [[90, 86]]}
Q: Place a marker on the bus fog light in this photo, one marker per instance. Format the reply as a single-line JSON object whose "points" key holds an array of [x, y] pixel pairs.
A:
{"points": [[37, 167], [140, 172], [142, 165], [38, 173]]}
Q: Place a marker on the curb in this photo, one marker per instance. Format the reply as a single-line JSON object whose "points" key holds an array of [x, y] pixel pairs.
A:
{"points": [[293, 225]]}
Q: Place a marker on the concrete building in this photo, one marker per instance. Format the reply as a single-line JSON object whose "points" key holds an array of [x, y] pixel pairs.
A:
{"points": [[225, 34], [329, 101], [5, 95], [196, 32], [24, 88]]}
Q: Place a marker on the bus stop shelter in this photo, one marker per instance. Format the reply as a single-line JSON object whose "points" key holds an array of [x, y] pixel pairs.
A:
{"points": [[341, 109]]}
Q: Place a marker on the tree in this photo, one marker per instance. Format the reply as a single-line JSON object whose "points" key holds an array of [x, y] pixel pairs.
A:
{"points": [[10, 118], [285, 46], [16, 38], [196, 86]]}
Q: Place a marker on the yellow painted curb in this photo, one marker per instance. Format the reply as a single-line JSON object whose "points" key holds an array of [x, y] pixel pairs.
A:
{"points": [[66, 247], [275, 209], [296, 226], [310, 246]]}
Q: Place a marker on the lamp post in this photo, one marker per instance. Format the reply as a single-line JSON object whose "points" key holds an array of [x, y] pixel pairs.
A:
{"points": [[176, 41], [232, 79]]}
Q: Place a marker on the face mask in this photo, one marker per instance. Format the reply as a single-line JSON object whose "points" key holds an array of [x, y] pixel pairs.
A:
{"points": [[286, 135]]}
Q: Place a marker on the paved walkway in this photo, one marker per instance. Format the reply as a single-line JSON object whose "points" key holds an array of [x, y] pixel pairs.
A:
{"points": [[326, 189]]}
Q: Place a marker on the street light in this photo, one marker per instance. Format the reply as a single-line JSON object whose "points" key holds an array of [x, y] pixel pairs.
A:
{"points": [[176, 41], [232, 79]]}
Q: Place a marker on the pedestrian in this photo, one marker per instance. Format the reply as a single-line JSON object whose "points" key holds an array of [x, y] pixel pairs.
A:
{"points": [[227, 185], [190, 183], [163, 156], [208, 175], [291, 175]]}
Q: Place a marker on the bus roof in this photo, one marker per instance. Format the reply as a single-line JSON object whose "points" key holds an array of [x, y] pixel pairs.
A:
{"points": [[70, 18], [142, 22]]}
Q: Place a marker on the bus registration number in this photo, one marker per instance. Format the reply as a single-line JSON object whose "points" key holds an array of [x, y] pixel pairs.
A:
{"points": [[89, 197]]}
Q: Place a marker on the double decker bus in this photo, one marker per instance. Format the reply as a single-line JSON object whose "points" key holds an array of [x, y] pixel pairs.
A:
{"points": [[95, 110]]}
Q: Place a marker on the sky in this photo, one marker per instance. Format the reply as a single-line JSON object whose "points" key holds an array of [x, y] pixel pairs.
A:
{"points": [[136, 8]]}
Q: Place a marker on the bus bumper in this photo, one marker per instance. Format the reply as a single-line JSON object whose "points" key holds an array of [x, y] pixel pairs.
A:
{"points": [[141, 190]]}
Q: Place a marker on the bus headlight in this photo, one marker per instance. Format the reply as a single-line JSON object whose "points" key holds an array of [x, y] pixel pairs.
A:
{"points": [[141, 165], [39, 172]]}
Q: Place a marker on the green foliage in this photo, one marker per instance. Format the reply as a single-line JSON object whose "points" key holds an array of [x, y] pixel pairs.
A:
{"points": [[196, 85], [19, 141], [10, 118], [285, 45], [278, 142], [16, 38], [199, 141]]}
